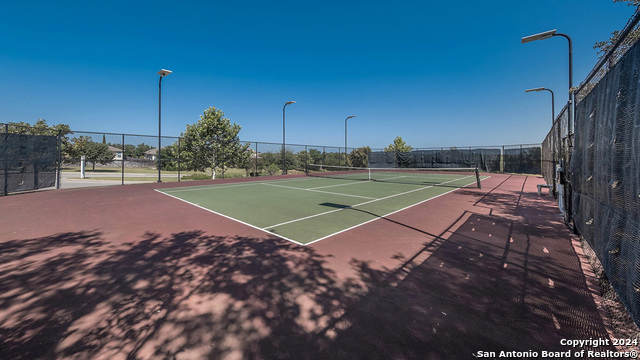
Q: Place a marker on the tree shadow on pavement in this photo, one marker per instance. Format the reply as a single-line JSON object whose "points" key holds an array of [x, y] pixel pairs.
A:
{"points": [[187, 295], [507, 282]]}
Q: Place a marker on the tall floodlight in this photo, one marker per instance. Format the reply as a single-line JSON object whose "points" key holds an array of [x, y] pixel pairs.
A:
{"points": [[345, 138], [162, 74], [547, 35], [571, 108], [553, 117], [284, 170]]}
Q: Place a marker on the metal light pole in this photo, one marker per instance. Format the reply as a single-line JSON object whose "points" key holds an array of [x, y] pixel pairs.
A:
{"points": [[571, 118], [345, 138], [162, 74], [284, 170], [547, 35]]}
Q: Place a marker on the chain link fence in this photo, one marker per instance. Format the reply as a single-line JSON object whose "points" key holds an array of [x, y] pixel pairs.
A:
{"points": [[119, 159], [596, 176], [520, 159]]}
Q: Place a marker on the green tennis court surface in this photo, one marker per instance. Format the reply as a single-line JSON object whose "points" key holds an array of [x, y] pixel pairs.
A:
{"points": [[309, 209]]}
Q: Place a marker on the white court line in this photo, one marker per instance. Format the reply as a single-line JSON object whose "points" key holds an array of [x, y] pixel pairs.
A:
{"points": [[224, 186], [364, 203], [390, 178], [309, 243], [352, 182], [383, 216], [230, 218], [320, 191]]}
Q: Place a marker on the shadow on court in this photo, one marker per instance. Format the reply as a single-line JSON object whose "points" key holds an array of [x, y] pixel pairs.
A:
{"points": [[490, 284], [188, 294], [506, 280]]}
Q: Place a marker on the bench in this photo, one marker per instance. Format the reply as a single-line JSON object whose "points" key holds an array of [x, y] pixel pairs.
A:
{"points": [[540, 186]]}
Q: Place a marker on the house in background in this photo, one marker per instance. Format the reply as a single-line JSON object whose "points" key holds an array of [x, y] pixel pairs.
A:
{"points": [[151, 154], [117, 153]]}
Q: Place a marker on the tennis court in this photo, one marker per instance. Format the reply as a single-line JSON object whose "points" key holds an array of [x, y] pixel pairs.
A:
{"points": [[329, 201]]}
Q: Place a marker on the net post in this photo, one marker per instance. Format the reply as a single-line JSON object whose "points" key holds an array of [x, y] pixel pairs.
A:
{"points": [[478, 178]]}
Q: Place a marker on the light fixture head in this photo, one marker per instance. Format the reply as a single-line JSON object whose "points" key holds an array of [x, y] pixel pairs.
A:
{"points": [[290, 102], [536, 89], [540, 36], [164, 72]]}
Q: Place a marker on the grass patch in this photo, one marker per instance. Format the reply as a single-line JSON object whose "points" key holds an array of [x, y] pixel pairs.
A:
{"points": [[197, 176], [117, 170], [132, 178]]}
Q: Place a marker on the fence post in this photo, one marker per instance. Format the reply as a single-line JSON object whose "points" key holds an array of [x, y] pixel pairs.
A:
{"points": [[395, 158], [324, 152], [256, 162], [122, 159], [178, 159], [502, 160], [59, 170], [520, 166]]}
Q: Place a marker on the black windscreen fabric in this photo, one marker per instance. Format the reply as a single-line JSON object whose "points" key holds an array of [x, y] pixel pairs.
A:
{"points": [[381, 159], [28, 162], [605, 175], [524, 160], [487, 159], [483, 159]]}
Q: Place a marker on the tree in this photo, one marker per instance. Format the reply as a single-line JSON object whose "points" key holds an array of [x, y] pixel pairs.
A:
{"points": [[333, 158], [128, 151], [359, 157], [399, 149], [92, 151], [140, 150], [304, 159], [629, 2], [39, 128], [270, 162], [290, 160], [315, 156], [42, 128], [397, 146], [213, 142], [603, 47]]}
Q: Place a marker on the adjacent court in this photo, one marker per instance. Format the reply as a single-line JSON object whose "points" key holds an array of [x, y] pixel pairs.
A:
{"points": [[309, 209]]}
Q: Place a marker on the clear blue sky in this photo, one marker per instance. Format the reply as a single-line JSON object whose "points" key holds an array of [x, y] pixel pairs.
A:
{"points": [[437, 73]]}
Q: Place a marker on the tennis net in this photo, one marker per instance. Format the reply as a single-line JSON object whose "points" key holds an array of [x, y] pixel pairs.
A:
{"points": [[416, 176]]}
